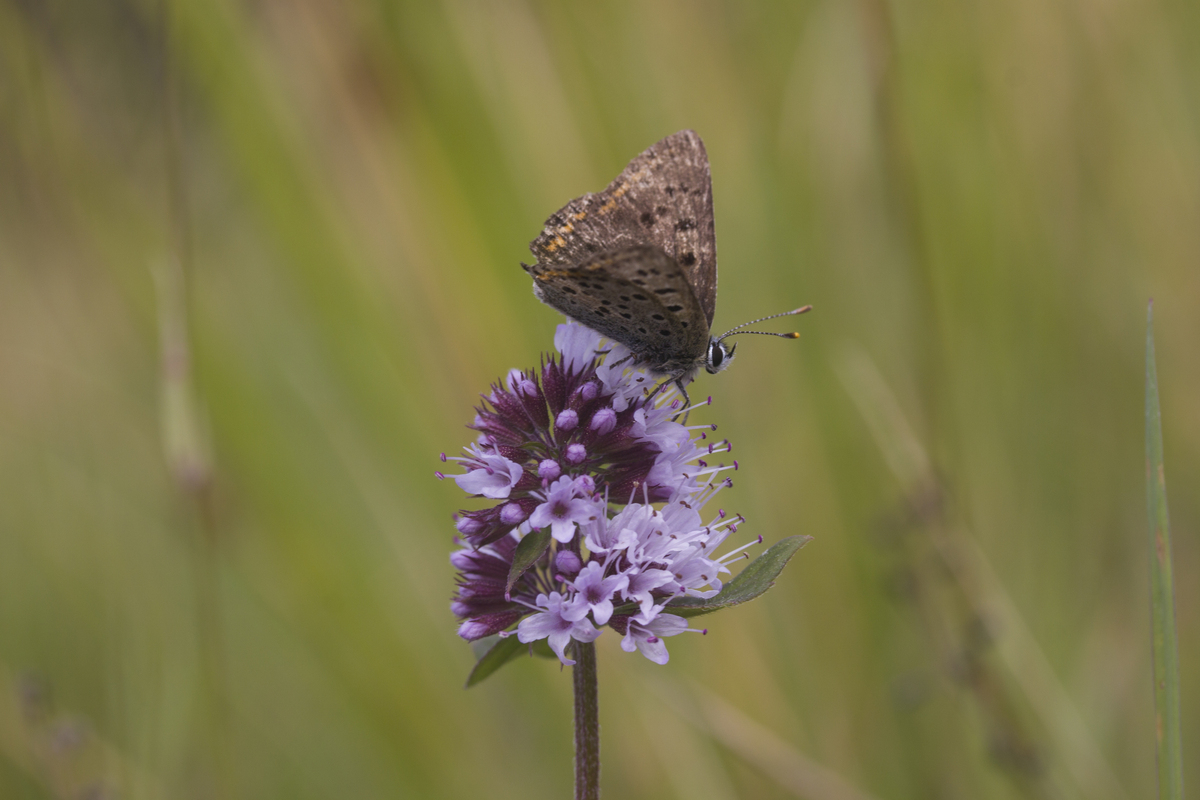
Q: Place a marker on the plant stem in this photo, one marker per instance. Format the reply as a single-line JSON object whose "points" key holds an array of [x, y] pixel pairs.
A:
{"points": [[1162, 592], [587, 723]]}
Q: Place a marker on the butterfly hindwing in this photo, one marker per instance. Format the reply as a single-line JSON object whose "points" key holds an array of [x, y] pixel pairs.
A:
{"points": [[663, 198]]}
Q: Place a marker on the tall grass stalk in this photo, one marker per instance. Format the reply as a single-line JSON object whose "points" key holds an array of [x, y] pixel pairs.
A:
{"points": [[1162, 592]]}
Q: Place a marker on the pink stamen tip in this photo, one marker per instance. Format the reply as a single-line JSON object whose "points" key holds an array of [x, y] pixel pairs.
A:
{"points": [[674, 404], [440, 476], [443, 457], [709, 401], [704, 632], [721, 513], [710, 447], [653, 640], [732, 527], [760, 539], [714, 427], [490, 471], [735, 465]]}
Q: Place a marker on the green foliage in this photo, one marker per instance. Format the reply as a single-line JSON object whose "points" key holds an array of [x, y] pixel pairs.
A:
{"points": [[500, 651], [1167, 700], [529, 550], [227, 563]]}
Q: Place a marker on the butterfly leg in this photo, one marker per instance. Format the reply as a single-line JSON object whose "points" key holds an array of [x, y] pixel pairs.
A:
{"points": [[687, 401], [615, 363]]}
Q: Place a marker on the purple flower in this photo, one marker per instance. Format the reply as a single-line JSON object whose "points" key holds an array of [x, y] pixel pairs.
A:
{"points": [[559, 621], [647, 637], [595, 592], [494, 477], [563, 509], [641, 584], [585, 447]]}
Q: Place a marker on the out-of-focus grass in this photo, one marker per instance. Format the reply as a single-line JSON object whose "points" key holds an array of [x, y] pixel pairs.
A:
{"points": [[976, 198], [1167, 706]]}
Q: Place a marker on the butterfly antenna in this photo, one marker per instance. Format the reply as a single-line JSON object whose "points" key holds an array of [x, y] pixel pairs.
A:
{"points": [[792, 335]]}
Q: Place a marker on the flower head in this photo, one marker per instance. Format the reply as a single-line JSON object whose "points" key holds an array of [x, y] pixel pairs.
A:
{"points": [[589, 449]]}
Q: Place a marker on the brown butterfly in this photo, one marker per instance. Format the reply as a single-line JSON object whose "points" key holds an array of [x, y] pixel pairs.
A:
{"points": [[637, 262]]}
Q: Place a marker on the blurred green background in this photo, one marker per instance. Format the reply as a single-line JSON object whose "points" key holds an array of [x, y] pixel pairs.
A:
{"points": [[258, 258]]}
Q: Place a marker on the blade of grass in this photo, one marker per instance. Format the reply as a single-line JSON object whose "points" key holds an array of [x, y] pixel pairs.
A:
{"points": [[1162, 591]]}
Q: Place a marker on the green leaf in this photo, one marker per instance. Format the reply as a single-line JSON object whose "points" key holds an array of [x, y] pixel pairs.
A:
{"points": [[504, 650], [529, 550], [494, 652], [1165, 644], [758, 576]]}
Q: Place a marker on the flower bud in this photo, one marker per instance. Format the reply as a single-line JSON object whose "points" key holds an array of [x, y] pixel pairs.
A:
{"points": [[567, 563]]}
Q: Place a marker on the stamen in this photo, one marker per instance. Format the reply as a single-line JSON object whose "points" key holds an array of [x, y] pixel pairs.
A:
{"points": [[733, 554]]}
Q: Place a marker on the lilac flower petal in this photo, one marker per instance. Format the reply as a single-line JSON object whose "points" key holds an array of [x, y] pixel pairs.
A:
{"points": [[494, 480], [577, 345]]}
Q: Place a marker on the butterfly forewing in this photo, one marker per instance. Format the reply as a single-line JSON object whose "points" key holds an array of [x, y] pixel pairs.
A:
{"points": [[663, 199], [638, 296]]}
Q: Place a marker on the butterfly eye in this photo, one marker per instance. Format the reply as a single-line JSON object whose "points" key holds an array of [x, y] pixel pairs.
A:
{"points": [[716, 356]]}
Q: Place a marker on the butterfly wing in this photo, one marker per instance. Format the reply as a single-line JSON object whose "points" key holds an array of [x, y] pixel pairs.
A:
{"points": [[662, 199], [638, 296]]}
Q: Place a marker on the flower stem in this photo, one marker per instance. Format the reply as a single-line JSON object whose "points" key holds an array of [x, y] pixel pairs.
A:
{"points": [[587, 723]]}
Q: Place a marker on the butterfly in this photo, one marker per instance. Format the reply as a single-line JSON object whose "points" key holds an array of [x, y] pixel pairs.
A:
{"points": [[637, 263]]}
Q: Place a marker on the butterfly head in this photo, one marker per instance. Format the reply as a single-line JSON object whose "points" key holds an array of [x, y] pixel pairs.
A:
{"points": [[718, 356]]}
